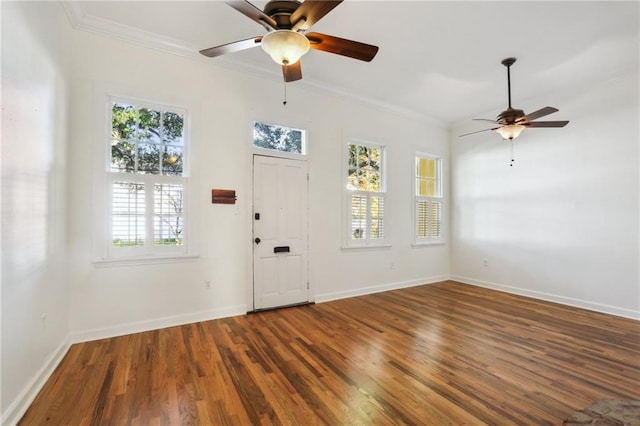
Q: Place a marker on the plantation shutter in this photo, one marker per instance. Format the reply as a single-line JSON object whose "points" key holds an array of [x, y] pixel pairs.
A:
{"points": [[428, 218], [127, 214]]}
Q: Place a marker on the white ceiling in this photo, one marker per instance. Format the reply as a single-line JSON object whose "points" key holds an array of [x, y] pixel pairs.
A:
{"points": [[436, 59]]}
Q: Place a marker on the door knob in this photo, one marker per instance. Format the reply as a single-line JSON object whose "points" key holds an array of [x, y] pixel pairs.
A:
{"points": [[257, 240]]}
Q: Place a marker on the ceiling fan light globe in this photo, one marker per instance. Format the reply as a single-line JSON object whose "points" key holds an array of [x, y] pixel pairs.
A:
{"points": [[510, 131], [285, 47]]}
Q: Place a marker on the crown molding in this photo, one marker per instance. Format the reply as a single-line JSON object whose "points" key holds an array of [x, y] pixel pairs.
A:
{"points": [[80, 20]]}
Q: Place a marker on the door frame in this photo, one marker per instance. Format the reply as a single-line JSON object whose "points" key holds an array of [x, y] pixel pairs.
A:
{"points": [[250, 282]]}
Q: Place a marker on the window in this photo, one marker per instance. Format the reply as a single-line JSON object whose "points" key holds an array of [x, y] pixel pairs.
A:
{"points": [[147, 183], [278, 138], [365, 195], [428, 199]]}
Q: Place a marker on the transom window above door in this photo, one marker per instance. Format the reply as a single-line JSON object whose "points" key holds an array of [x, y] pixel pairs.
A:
{"points": [[279, 138]]}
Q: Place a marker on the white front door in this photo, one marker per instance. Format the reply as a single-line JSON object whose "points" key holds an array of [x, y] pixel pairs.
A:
{"points": [[280, 232]]}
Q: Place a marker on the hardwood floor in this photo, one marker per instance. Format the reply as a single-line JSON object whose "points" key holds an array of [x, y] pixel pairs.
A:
{"points": [[439, 354]]}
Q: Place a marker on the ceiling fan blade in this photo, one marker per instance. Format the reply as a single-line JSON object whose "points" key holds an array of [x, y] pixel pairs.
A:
{"points": [[249, 10], [292, 72], [341, 46], [547, 124], [538, 114], [234, 46], [485, 119], [477, 131], [311, 11]]}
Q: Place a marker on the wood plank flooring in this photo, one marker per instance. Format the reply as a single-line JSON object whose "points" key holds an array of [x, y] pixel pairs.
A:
{"points": [[439, 354]]}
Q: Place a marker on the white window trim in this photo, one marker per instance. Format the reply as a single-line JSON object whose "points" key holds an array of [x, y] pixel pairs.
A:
{"points": [[424, 242], [347, 242], [104, 95], [278, 154]]}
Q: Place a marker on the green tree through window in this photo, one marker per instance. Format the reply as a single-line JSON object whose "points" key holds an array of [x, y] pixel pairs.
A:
{"points": [[146, 141], [277, 138], [364, 167]]}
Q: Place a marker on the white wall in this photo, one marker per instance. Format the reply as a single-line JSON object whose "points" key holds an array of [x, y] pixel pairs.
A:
{"points": [[562, 223], [35, 60], [223, 104]]}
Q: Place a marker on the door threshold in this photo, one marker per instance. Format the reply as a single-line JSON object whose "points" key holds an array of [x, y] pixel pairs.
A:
{"points": [[255, 311]]}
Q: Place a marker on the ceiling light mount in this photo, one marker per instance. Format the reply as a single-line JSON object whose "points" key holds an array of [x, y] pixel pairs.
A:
{"points": [[507, 62]]}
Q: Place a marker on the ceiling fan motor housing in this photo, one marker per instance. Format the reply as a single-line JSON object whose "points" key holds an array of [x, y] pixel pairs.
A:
{"points": [[280, 11], [509, 116]]}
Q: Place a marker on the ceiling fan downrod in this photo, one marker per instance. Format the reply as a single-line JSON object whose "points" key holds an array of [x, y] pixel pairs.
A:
{"points": [[507, 63]]}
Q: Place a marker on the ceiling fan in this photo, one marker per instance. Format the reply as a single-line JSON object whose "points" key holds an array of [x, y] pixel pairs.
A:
{"points": [[286, 22], [511, 122]]}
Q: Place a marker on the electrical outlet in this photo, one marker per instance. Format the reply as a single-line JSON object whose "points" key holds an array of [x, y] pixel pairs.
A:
{"points": [[207, 285], [485, 263]]}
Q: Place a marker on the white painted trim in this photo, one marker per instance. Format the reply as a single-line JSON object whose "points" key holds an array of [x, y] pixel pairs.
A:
{"points": [[19, 406], [365, 247], [363, 291], [135, 261], [74, 11], [80, 20], [569, 301], [428, 244], [155, 324]]}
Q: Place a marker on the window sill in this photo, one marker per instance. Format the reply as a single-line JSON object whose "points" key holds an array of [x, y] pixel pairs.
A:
{"points": [[428, 244], [367, 247], [151, 260]]}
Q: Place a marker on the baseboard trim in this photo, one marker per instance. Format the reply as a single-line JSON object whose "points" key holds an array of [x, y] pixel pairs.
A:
{"points": [[362, 291], [155, 324], [19, 406], [577, 303]]}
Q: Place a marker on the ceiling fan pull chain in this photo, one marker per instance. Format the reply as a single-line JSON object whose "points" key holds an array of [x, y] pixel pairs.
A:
{"points": [[511, 146], [284, 102]]}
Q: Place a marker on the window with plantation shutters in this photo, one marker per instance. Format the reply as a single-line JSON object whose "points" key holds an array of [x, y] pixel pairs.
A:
{"points": [[365, 195], [428, 199], [147, 183]]}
